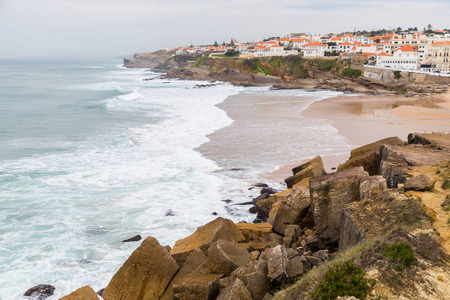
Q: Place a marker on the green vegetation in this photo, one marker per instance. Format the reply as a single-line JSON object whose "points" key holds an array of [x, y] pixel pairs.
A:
{"points": [[446, 184], [351, 72], [231, 53], [397, 74], [344, 279], [400, 253], [200, 61]]}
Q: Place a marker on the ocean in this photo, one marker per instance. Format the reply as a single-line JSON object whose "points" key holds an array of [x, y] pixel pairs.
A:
{"points": [[92, 154]]}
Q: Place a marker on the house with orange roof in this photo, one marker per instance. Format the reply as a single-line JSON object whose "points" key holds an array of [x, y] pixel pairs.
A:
{"points": [[298, 43], [284, 41], [315, 49], [439, 56], [404, 58]]}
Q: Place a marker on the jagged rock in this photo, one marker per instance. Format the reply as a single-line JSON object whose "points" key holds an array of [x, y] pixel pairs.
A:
{"points": [[263, 207], [420, 183], [446, 202], [100, 292], [146, 273], [40, 292], [368, 156], [236, 291], [196, 286], [253, 232], [267, 297], [194, 260], [294, 267], [260, 184], [277, 261], [84, 293], [254, 255], [292, 209], [255, 278], [312, 168], [372, 187], [308, 220], [133, 239], [313, 243], [321, 254], [205, 236], [291, 235], [223, 258], [350, 231], [267, 190], [273, 212], [329, 195], [259, 246]]}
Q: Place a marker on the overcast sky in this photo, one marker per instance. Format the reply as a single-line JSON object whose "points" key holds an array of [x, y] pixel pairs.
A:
{"points": [[40, 28]]}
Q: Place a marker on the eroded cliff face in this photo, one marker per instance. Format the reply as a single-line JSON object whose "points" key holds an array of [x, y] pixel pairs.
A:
{"points": [[145, 60]]}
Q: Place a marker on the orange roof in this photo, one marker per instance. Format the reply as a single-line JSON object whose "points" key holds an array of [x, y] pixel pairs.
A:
{"points": [[347, 44], [262, 47], [350, 35], [276, 46], [337, 38], [271, 42], [442, 43], [315, 44], [284, 39], [367, 53], [383, 54], [407, 48]]}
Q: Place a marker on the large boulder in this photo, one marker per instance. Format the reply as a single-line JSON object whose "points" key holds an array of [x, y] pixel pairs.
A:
{"points": [[145, 274], [85, 293], [435, 140], [277, 261], [223, 258], [351, 231], [205, 236], [273, 212], [254, 232], [295, 267], [312, 168], [329, 195], [292, 209], [263, 207], [236, 291], [254, 277], [368, 156], [196, 286], [420, 183]]}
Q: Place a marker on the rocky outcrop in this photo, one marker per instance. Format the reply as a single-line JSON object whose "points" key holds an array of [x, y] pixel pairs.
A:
{"points": [[312, 168], [292, 209], [368, 156], [145, 60], [145, 274], [420, 183], [350, 231], [372, 187], [205, 236], [254, 231], [277, 262], [329, 195], [440, 141], [85, 293]]}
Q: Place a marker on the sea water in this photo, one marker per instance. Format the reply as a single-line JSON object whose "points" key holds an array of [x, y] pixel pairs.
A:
{"points": [[92, 154]]}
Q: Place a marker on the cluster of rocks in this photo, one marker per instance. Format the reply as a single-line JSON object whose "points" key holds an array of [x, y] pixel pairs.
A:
{"points": [[295, 230]]}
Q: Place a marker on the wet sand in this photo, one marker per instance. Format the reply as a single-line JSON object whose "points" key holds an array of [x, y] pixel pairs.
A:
{"points": [[267, 127]]}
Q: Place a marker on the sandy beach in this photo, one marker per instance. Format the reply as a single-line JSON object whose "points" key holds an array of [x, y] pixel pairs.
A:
{"points": [[360, 119]]}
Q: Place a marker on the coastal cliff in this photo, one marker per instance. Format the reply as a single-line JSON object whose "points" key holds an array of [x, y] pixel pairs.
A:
{"points": [[289, 72], [377, 228]]}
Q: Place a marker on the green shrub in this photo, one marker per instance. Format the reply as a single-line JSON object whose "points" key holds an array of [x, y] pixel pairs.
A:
{"points": [[446, 184], [351, 72], [344, 279], [397, 74], [231, 53], [400, 253]]}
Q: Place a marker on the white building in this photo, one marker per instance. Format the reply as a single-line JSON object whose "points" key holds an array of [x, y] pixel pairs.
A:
{"points": [[314, 49], [405, 57]]}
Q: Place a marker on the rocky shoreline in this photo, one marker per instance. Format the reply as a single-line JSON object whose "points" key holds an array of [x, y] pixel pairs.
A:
{"points": [[389, 194]]}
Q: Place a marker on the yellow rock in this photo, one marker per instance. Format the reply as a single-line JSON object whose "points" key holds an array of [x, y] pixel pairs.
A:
{"points": [[266, 204], [85, 293], [145, 274], [273, 212], [253, 232], [205, 236]]}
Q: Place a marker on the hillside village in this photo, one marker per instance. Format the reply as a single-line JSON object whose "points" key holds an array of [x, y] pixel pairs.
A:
{"points": [[420, 51]]}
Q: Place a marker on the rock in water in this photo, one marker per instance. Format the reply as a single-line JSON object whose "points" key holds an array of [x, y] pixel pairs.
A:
{"points": [[420, 183], [84, 293], [40, 292], [133, 239], [146, 274], [205, 236]]}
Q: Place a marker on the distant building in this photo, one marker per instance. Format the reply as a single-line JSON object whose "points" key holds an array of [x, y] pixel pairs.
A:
{"points": [[314, 49], [406, 57], [439, 56]]}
